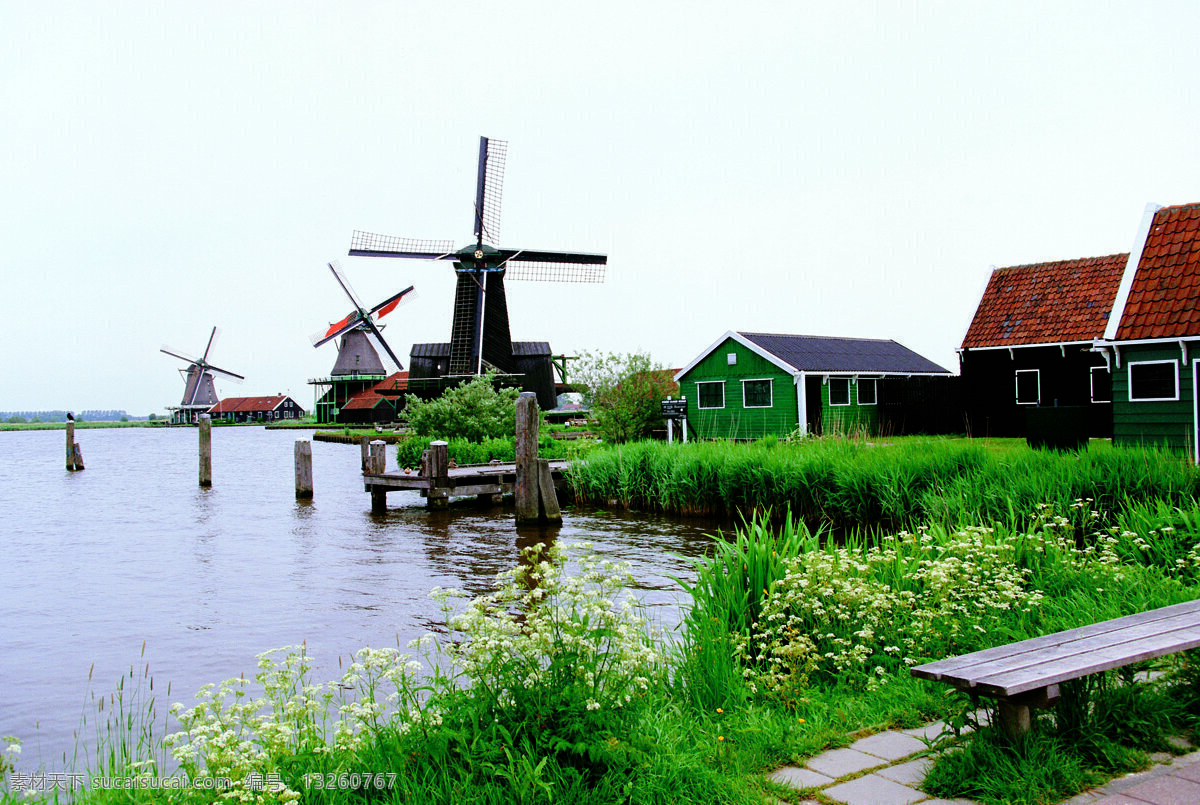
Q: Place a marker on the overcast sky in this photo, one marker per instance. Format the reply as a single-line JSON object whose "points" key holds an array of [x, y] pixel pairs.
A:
{"points": [[832, 169]]}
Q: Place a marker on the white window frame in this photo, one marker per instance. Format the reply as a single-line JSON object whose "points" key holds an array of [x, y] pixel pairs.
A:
{"points": [[700, 383], [1132, 364], [874, 384], [1017, 386], [770, 381], [830, 382], [1092, 378]]}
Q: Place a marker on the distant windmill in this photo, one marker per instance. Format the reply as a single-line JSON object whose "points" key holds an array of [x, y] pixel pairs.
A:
{"points": [[480, 337], [356, 355], [199, 394], [358, 366]]}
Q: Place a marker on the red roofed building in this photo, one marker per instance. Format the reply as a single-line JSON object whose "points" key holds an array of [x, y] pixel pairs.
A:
{"points": [[256, 409], [1154, 333], [1030, 344], [378, 403]]}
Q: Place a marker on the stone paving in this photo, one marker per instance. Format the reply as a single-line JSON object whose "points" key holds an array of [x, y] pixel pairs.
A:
{"points": [[887, 769]]}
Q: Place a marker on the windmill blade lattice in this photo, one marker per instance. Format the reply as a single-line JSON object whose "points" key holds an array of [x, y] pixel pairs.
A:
{"points": [[488, 190]]}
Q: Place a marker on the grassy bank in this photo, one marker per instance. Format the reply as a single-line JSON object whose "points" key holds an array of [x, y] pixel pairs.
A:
{"points": [[849, 484], [158, 423]]}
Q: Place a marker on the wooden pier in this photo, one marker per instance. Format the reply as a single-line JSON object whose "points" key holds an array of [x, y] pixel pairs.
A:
{"points": [[486, 481]]}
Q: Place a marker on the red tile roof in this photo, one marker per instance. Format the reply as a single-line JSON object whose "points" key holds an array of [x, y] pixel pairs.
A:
{"points": [[1164, 300], [369, 398], [1046, 303], [247, 404]]}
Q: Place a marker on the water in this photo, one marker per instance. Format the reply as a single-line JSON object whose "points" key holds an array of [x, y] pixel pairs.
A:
{"points": [[94, 565]]}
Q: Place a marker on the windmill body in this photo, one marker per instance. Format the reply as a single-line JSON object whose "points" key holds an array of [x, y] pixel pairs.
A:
{"points": [[480, 336], [358, 366], [199, 392]]}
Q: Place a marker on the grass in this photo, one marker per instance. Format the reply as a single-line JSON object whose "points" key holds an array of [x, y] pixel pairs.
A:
{"points": [[848, 485]]}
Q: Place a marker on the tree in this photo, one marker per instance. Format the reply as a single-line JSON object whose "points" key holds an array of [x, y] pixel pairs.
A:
{"points": [[475, 411], [152, 417], [623, 392]]}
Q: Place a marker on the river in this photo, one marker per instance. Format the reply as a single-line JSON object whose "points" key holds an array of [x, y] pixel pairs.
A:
{"points": [[130, 564]]}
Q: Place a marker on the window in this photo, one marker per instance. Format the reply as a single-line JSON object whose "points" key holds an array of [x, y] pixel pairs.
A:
{"points": [[1029, 386], [1101, 385], [1154, 380], [756, 393], [867, 393], [731, 359], [839, 391], [711, 394]]}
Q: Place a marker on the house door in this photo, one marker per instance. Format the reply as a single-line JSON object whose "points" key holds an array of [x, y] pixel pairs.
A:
{"points": [[812, 404]]}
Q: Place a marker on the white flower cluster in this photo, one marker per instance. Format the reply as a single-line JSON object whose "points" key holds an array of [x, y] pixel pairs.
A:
{"points": [[580, 634], [847, 613]]}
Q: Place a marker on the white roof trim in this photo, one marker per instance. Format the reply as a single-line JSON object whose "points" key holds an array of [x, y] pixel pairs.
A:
{"points": [[748, 344], [1167, 340], [1135, 257]]}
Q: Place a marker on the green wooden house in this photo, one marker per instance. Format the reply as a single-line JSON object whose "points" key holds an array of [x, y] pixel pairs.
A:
{"points": [[1153, 335], [747, 385]]}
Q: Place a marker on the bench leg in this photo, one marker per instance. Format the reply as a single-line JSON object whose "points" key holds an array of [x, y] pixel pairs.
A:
{"points": [[1015, 719]]}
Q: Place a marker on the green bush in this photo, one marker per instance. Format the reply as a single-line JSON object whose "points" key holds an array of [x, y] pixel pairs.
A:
{"points": [[474, 411]]}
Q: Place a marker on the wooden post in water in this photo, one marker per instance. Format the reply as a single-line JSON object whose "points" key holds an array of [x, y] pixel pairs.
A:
{"points": [[438, 468], [205, 422], [74, 455], [365, 447], [377, 465], [534, 487], [304, 476]]}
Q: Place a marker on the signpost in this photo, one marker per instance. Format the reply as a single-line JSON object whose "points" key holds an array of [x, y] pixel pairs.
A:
{"points": [[675, 410]]}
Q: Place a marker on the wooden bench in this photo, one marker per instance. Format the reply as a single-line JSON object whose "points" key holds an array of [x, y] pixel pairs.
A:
{"points": [[1027, 674]]}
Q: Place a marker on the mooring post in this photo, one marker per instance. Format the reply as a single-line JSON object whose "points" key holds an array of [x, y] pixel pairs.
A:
{"points": [[365, 446], [377, 465], [548, 508], [438, 467], [205, 422], [304, 476], [525, 490], [74, 457]]}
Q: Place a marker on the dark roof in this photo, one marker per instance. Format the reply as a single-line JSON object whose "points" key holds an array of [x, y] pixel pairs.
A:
{"points": [[1164, 299], [248, 404], [442, 350], [525, 349], [1046, 303], [818, 353]]}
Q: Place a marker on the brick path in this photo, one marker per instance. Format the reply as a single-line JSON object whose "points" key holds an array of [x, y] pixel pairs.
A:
{"points": [[885, 769]]}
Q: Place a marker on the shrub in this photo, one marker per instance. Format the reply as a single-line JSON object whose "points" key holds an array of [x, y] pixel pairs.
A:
{"points": [[624, 392], [474, 411]]}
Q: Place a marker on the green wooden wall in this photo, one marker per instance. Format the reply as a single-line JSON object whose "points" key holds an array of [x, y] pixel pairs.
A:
{"points": [[1153, 423], [852, 418], [735, 421]]}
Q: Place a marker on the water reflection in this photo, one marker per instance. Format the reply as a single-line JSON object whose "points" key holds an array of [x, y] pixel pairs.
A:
{"points": [[132, 550]]}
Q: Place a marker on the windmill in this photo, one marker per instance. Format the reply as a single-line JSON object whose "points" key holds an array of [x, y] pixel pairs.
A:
{"points": [[358, 365], [199, 394], [479, 336]]}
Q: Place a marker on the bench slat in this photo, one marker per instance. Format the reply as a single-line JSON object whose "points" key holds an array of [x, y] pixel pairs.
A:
{"points": [[939, 669], [1062, 670], [972, 674]]}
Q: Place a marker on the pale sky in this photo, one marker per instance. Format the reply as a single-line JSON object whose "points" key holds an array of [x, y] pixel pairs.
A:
{"points": [[842, 169]]}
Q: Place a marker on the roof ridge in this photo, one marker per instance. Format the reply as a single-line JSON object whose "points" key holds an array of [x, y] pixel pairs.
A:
{"points": [[1117, 256], [825, 337]]}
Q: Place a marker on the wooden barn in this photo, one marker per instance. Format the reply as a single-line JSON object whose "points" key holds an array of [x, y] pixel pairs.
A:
{"points": [[747, 385], [530, 367], [256, 409], [1153, 336], [1030, 342]]}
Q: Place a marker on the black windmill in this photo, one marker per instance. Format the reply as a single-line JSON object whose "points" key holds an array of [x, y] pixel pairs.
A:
{"points": [[199, 394], [358, 364], [480, 338]]}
